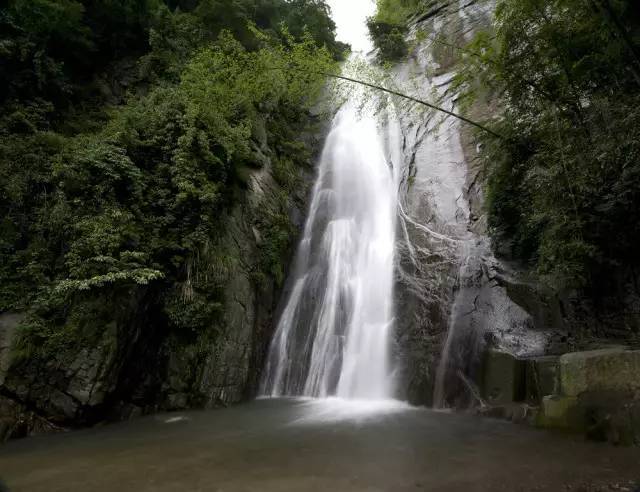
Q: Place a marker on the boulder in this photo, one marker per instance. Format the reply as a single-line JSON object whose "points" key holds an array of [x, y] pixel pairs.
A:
{"points": [[601, 415], [600, 370], [503, 378], [612, 416]]}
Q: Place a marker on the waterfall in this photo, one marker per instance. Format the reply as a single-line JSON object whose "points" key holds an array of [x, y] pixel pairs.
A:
{"points": [[400, 169], [333, 334]]}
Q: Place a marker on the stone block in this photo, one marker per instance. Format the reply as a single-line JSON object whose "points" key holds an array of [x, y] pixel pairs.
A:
{"points": [[601, 415], [560, 412], [600, 370], [503, 378], [542, 377]]}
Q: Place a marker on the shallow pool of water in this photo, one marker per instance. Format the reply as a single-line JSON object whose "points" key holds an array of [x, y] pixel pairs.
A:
{"points": [[311, 445]]}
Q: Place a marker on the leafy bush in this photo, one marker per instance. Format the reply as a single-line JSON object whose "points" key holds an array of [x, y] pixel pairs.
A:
{"points": [[396, 11]]}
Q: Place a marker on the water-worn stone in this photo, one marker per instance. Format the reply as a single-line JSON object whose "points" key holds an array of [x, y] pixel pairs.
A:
{"points": [[608, 369], [224, 365], [503, 378], [515, 412], [92, 376], [65, 389]]}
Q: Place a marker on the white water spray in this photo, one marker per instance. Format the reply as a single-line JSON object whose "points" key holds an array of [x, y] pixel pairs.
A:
{"points": [[333, 334]]}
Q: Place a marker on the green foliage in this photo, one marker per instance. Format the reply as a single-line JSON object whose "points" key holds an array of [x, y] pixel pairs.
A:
{"points": [[389, 39], [564, 188], [84, 324], [192, 315], [50, 49], [396, 12], [100, 202], [388, 27], [174, 36], [302, 17], [276, 230]]}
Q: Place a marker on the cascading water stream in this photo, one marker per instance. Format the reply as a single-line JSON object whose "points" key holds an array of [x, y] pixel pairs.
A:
{"points": [[333, 334]]}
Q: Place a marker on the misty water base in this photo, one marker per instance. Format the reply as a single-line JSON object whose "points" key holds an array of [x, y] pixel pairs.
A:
{"points": [[312, 445]]}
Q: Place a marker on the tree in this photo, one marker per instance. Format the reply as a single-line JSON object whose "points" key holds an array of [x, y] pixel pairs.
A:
{"points": [[568, 88]]}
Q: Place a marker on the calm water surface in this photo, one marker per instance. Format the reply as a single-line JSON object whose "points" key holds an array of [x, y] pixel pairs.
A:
{"points": [[294, 445]]}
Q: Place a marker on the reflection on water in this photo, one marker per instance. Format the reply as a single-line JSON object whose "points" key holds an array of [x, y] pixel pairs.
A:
{"points": [[327, 410], [306, 445]]}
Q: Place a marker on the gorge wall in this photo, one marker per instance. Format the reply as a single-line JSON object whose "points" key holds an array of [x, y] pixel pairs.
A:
{"points": [[452, 295], [136, 366], [476, 328]]}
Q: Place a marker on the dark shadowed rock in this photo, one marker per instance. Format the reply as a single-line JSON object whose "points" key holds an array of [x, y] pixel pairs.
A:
{"points": [[503, 379], [542, 377], [133, 367]]}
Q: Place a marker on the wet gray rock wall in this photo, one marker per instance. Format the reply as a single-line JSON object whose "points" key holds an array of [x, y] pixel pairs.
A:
{"points": [[453, 296]]}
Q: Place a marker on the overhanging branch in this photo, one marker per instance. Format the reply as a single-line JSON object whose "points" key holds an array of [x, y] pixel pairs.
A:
{"points": [[404, 96], [419, 101]]}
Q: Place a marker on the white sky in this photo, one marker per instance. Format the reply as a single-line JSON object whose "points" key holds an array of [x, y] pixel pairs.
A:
{"points": [[350, 18]]}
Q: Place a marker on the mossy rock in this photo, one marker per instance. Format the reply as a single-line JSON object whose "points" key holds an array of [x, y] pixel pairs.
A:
{"points": [[600, 370], [561, 412], [599, 396], [612, 416]]}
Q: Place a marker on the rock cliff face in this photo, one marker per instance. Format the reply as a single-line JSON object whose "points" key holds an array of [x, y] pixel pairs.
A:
{"points": [[136, 366], [458, 293], [473, 328], [453, 295]]}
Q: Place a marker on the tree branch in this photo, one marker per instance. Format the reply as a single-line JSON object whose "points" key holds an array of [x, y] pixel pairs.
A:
{"points": [[410, 98]]}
